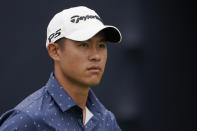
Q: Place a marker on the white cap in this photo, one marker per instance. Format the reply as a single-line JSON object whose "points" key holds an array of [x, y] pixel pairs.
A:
{"points": [[79, 24]]}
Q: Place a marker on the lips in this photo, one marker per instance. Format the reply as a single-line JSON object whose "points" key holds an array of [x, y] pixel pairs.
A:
{"points": [[94, 69]]}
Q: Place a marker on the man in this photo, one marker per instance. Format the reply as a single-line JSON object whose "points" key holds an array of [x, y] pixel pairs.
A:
{"points": [[76, 41]]}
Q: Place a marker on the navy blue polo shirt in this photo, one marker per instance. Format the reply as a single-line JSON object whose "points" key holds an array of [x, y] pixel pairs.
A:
{"points": [[52, 109]]}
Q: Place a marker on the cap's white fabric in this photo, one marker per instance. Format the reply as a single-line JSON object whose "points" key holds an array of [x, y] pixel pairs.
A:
{"points": [[79, 24]]}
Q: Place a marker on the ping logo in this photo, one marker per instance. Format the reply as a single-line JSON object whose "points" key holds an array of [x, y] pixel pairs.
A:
{"points": [[54, 35], [77, 19]]}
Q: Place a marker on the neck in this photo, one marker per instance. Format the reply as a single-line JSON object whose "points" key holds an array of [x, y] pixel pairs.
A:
{"points": [[76, 91]]}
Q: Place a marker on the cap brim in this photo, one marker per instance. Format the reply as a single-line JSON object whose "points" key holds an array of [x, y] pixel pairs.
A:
{"points": [[112, 34]]}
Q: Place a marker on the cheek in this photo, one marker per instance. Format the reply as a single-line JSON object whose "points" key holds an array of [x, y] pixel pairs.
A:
{"points": [[104, 58], [73, 63]]}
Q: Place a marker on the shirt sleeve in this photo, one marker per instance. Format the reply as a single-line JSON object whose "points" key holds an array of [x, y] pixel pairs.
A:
{"points": [[16, 121]]}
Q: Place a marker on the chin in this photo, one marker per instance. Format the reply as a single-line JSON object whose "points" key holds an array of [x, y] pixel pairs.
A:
{"points": [[93, 83]]}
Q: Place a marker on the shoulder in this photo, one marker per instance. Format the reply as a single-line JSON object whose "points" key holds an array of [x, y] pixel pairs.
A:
{"points": [[31, 99], [23, 116], [110, 115], [16, 120], [107, 117], [110, 120]]}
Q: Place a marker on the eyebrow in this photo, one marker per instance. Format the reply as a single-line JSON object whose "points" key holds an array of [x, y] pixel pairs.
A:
{"points": [[103, 40]]}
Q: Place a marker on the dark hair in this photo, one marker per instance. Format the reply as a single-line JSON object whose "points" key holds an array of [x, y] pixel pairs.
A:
{"points": [[61, 42]]}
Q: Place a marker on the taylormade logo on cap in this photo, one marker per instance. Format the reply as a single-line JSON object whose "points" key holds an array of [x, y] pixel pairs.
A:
{"points": [[79, 24], [76, 18]]}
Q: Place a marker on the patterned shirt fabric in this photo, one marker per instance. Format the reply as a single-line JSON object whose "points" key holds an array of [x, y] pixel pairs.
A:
{"points": [[52, 109]]}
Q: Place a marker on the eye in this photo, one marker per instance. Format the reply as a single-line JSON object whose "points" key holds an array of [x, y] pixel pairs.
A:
{"points": [[102, 45], [83, 45]]}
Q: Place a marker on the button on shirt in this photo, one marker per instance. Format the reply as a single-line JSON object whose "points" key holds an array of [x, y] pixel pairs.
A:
{"points": [[52, 109]]}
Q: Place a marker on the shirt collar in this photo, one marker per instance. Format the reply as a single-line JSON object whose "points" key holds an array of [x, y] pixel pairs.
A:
{"points": [[65, 102], [93, 103]]}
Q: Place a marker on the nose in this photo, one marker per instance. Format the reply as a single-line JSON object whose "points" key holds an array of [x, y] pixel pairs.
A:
{"points": [[94, 55]]}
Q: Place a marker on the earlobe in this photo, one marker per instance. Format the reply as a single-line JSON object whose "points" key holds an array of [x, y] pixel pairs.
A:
{"points": [[53, 51]]}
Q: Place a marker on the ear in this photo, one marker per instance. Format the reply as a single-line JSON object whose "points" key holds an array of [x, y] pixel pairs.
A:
{"points": [[53, 51]]}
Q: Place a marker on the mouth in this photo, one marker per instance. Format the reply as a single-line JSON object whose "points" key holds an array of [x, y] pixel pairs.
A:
{"points": [[96, 69]]}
